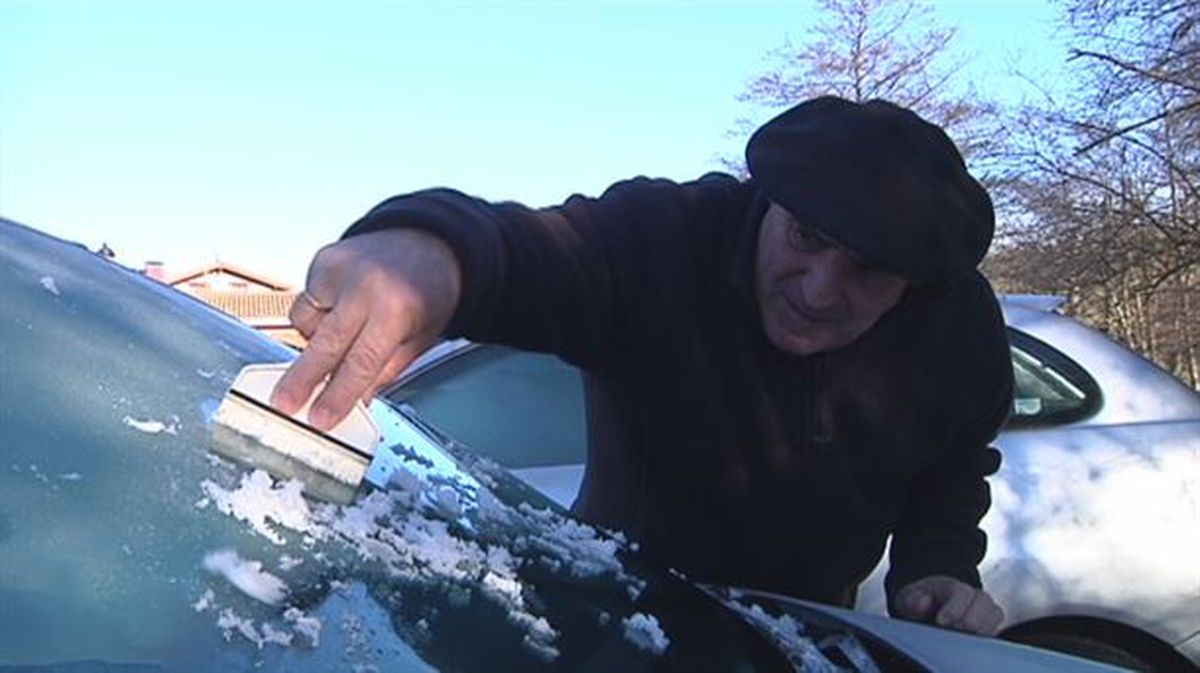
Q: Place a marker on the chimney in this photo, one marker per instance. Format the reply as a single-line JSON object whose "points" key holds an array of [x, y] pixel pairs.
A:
{"points": [[155, 270]]}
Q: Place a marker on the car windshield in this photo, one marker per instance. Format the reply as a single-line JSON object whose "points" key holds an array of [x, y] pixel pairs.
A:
{"points": [[127, 544]]}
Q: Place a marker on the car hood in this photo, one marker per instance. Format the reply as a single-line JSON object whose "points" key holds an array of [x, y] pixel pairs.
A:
{"points": [[933, 648]]}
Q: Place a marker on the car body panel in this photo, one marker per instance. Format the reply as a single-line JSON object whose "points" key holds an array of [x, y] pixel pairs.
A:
{"points": [[939, 649], [1191, 647]]}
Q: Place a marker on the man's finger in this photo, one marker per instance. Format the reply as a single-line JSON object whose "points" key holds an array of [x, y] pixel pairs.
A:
{"points": [[916, 603], [954, 604], [983, 616], [305, 317], [401, 359], [359, 368], [333, 337]]}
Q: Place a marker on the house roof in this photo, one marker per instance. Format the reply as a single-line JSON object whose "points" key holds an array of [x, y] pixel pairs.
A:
{"points": [[220, 266], [249, 306]]}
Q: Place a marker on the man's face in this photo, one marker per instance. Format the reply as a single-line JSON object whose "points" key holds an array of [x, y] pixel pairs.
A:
{"points": [[814, 294]]}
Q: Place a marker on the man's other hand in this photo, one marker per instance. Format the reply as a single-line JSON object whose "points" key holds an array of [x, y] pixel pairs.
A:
{"points": [[374, 303], [949, 603]]}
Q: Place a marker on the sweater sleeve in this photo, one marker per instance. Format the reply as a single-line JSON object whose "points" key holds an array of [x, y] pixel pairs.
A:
{"points": [[577, 279], [939, 533]]}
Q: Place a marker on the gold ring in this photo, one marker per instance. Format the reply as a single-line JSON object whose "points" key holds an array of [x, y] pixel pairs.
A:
{"points": [[312, 301]]}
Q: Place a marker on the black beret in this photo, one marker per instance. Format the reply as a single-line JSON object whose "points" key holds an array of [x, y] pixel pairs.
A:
{"points": [[880, 180]]}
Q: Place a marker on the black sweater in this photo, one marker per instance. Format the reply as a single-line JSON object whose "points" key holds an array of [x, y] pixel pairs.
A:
{"points": [[722, 456]]}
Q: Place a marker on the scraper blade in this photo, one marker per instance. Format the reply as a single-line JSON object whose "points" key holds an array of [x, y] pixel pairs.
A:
{"points": [[331, 465]]}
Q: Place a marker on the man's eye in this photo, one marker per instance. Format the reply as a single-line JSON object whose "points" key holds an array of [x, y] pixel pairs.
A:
{"points": [[807, 238]]}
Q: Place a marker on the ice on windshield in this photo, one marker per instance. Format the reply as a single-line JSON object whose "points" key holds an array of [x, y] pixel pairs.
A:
{"points": [[151, 426], [247, 576], [805, 653], [187, 557], [644, 631], [434, 526], [266, 504], [52, 287]]}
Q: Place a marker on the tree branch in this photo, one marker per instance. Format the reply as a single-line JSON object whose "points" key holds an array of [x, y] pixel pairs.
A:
{"points": [[1137, 125], [1137, 70]]}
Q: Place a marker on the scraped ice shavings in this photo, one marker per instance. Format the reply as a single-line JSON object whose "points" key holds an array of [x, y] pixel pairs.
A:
{"points": [[229, 621], [643, 630], [418, 547], [309, 627], [264, 504], [152, 427], [801, 651], [578, 546], [247, 576], [416, 530], [205, 601], [391, 528]]}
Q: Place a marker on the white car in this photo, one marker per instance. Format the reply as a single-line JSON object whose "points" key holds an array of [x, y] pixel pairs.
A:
{"points": [[1094, 533]]}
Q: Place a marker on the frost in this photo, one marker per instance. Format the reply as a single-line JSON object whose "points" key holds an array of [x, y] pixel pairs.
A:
{"points": [[152, 427], [444, 502], [383, 526], [577, 546], [50, 285], [247, 576], [406, 481], [229, 621], [643, 630], [261, 502], [309, 627], [205, 602], [429, 527], [273, 635], [358, 645], [542, 650], [506, 586], [788, 634], [38, 474]]}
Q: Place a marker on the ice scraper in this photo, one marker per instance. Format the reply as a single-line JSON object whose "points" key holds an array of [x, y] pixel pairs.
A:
{"points": [[331, 465]]}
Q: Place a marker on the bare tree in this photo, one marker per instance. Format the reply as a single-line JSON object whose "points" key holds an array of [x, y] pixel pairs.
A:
{"points": [[1108, 180], [865, 49]]}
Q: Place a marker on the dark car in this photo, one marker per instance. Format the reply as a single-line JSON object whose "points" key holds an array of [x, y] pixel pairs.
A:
{"points": [[128, 544]]}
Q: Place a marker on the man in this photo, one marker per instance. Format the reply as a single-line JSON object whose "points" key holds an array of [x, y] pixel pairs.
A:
{"points": [[780, 373]]}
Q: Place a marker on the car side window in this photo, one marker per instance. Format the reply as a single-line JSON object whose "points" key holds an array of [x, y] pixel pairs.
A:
{"points": [[1051, 389], [521, 409]]}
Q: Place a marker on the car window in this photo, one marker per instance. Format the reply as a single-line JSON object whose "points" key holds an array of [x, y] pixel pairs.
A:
{"points": [[526, 409], [522, 409], [1051, 389]]}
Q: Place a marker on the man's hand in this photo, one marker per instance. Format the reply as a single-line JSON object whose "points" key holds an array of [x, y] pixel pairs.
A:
{"points": [[375, 302], [949, 603]]}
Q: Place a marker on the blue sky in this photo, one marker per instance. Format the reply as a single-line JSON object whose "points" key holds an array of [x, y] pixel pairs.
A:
{"points": [[257, 131]]}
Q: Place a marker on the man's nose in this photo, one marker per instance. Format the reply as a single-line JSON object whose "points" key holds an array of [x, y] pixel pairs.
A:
{"points": [[829, 277]]}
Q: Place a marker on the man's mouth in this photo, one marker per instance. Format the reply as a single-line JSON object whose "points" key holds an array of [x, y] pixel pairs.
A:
{"points": [[809, 314]]}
